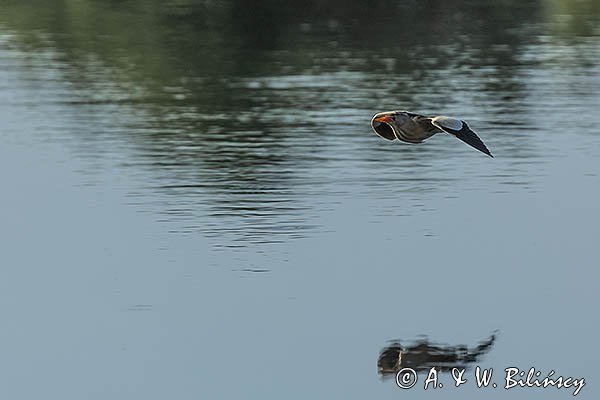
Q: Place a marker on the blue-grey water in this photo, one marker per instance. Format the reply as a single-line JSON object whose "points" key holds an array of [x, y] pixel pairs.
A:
{"points": [[194, 205]]}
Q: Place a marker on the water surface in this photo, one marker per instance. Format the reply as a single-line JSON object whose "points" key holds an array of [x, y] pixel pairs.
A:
{"points": [[194, 204]]}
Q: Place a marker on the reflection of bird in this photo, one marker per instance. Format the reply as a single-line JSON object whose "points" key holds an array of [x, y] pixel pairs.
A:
{"points": [[423, 355], [414, 128]]}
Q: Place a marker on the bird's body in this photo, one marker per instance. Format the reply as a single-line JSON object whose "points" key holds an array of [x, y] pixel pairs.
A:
{"points": [[415, 128]]}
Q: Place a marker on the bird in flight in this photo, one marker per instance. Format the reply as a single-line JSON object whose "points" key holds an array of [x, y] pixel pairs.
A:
{"points": [[414, 128]]}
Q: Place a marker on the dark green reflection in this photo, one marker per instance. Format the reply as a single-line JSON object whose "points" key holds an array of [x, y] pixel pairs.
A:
{"points": [[238, 101]]}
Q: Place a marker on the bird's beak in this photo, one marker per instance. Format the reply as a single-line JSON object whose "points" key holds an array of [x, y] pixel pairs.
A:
{"points": [[383, 118]]}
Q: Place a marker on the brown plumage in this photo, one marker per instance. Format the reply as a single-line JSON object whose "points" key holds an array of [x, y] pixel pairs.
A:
{"points": [[414, 128]]}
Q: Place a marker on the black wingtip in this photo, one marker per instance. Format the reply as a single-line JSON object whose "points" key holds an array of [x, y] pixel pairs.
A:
{"points": [[471, 138], [486, 151], [466, 135]]}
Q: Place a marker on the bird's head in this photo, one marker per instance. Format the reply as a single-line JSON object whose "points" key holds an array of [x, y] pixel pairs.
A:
{"points": [[385, 124]]}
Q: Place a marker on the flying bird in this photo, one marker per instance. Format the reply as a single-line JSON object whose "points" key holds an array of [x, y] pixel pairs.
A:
{"points": [[415, 128]]}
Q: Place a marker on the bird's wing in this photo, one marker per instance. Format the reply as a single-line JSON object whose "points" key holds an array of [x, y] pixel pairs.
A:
{"points": [[385, 131], [464, 133]]}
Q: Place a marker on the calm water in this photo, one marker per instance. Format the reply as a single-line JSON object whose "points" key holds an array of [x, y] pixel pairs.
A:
{"points": [[194, 205]]}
